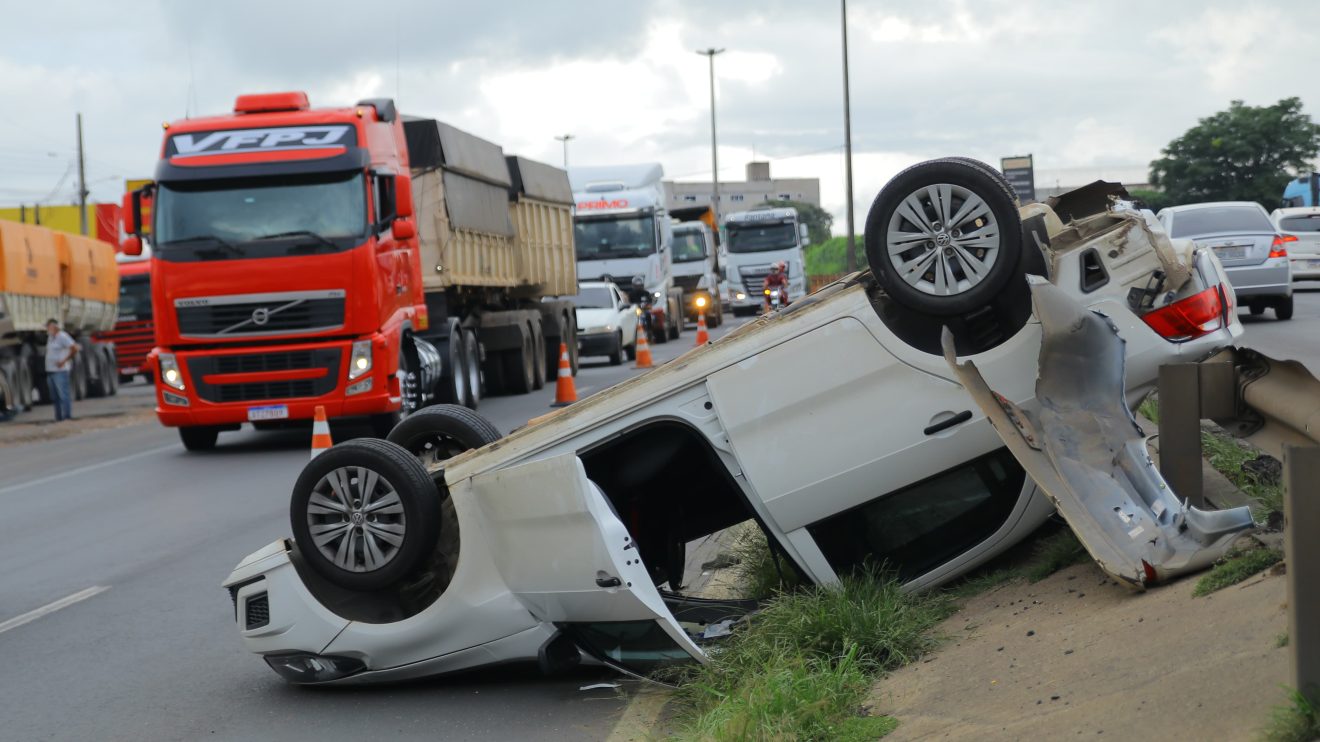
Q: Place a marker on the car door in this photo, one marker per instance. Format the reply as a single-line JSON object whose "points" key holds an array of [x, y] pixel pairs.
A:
{"points": [[624, 317], [563, 552]]}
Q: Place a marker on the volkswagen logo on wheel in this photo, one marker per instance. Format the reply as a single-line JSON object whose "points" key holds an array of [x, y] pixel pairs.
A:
{"points": [[260, 316]]}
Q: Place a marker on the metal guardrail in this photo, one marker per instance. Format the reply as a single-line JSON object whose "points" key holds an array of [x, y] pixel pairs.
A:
{"points": [[1276, 406]]}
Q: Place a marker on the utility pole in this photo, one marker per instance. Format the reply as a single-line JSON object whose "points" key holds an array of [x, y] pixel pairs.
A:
{"points": [[82, 183], [564, 138], [847, 145], [714, 148]]}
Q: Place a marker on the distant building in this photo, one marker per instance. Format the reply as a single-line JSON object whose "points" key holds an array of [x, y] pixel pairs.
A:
{"points": [[739, 195]]}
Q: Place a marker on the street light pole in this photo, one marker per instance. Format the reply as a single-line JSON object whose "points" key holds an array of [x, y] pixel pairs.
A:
{"points": [[564, 138], [714, 148], [82, 183], [847, 145]]}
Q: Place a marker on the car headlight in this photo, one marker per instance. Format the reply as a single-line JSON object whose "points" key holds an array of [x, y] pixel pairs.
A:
{"points": [[302, 667], [599, 329], [359, 359], [169, 371]]}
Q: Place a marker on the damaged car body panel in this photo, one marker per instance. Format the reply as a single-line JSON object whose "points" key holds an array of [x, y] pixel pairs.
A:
{"points": [[834, 425], [1083, 447]]}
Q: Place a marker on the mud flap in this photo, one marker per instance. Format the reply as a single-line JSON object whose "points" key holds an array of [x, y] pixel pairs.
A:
{"points": [[1085, 450]]}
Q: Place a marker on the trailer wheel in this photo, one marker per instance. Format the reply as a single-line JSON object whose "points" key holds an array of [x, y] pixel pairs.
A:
{"points": [[365, 514], [539, 356], [8, 398], [78, 377], [98, 384], [518, 372], [943, 237], [441, 432], [454, 387], [23, 383]]}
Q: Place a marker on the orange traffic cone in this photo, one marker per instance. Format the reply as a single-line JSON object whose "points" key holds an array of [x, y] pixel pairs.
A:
{"points": [[565, 392], [320, 432], [703, 337], [643, 348]]}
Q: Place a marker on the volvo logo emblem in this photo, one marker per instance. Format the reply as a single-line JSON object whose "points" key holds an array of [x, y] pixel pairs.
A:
{"points": [[260, 316]]}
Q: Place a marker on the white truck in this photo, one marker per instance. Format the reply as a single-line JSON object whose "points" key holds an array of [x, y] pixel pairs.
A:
{"points": [[696, 273], [756, 240], [623, 234]]}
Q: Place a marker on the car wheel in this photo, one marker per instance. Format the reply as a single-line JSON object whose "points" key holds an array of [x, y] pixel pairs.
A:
{"points": [[365, 514], [1284, 309], [616, 354], [944, 237], [198, 438], [441, 432], [631, 351], [472, 368]]}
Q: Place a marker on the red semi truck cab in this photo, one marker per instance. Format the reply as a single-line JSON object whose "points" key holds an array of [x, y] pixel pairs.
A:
{"points": [[285, 271], [133, 335]]}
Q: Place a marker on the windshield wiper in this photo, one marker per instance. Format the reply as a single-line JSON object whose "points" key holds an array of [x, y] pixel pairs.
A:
{"points": [[226, 244], [299, 233]]}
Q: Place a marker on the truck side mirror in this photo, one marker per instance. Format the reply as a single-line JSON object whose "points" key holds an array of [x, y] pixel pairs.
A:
{"points": [[132, 245], [403, 229], [403, 199], [804, 233], [131, 213]]}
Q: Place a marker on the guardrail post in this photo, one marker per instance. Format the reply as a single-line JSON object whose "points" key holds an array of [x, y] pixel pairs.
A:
{"points": [[1180, 430], [1301, 517]]}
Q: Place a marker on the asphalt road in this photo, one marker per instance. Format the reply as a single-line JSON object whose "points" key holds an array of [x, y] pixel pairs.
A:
{"points": [[1297, 339], [113, 625]]}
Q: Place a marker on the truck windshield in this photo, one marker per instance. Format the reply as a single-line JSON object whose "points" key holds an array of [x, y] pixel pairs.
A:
{"points": [[623, 237], [134, 298], [260, 217], [761, 237], [689, 247]]}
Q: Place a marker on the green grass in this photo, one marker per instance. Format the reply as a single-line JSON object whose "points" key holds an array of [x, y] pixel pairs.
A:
{"points": [[1297, 721], [759, 573], [1048, 553], [1234, 569], [1281, 639], [801, 666], [1053, 553], [830, 256], [1150, 408]]}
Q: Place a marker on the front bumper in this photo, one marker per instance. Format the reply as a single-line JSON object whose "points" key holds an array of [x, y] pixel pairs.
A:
{"points": [[598, 344], [1271, 278], [221, 385]]}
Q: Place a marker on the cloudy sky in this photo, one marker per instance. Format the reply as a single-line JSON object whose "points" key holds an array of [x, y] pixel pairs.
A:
{"points": [[1091, 89]]}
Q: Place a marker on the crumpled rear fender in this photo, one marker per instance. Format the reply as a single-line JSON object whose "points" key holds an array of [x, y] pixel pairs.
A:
{"points": [[1085, 450]]}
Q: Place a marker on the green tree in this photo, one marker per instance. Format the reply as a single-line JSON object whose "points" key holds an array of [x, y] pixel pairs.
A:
{"points": [[1245, 153], [818, 220]]}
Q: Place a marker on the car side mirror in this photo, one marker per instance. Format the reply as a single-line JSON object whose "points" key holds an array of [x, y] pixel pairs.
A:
{"points": [[403, 229], [132, 245]]}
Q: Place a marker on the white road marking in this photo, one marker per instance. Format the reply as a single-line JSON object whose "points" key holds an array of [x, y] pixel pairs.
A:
{"points": [[89, 467], [49, 608]]}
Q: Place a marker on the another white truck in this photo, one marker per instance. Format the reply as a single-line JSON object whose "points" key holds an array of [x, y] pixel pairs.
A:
{"points": [[754, 241], [623, 234], [696, 273]]}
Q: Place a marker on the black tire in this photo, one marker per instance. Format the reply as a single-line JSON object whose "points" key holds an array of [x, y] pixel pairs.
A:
{"points": [[8, 396], [23, 384], [199, 437], [126, 378], [616, 354], [677, 330], [472, 369], [441, 431], [988, 170], [78, 377], [98, 384], [539, 359], [1256, 309], [418, 518], [974, 180], [453, 385], [1284, 309], [631, 350], [410, 389], [492, 371], [518, 372], [112, 372]]}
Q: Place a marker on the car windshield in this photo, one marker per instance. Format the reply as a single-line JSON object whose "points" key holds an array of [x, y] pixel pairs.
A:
{"points": [[761, 237], [689, 247], [625, 237], [259, 217], [593, 297], [135, 298], [1218, 220], [1308, 223]]}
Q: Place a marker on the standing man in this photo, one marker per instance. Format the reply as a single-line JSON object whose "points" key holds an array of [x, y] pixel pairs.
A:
{"points": [[60, 350]]}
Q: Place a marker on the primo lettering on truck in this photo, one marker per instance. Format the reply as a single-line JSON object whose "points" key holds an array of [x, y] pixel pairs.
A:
{"points": [[618, 203], [276, 139]]}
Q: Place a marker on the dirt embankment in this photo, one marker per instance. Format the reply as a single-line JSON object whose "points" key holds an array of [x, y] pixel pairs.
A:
{"points": [[1077, 655], [134, 404]]}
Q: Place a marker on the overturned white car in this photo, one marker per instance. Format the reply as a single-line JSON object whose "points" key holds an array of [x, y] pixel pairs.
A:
{"points": [[835, 424]]}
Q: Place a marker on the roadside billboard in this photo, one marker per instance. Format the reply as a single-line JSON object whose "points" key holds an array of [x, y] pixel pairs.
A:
{"points": [[1021, 174]]}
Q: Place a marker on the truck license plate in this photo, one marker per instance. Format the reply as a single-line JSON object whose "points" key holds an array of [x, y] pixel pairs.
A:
{"points": [[268, 412]]}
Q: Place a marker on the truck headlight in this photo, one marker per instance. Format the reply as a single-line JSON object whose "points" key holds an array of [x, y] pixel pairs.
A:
{"points": [[169, 371], [359, 359], [700, 301], [657, 294], [741, 296]]}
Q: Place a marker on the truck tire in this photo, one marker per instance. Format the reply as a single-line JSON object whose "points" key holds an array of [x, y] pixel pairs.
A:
{"points": [[112, 371], [492, 371], [928, 265], [454, 379], [365, 514], [198, 437], [440, 432], [518, 372], [97, 383], [23, 379], [78, 377], [471, 369], [539, 360], [8, 396]]}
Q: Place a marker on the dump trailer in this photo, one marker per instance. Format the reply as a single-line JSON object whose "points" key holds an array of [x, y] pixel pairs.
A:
{"points": [[342, 258], [46, 275]]}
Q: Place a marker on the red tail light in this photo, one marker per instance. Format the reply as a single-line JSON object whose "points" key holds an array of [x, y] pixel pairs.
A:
{"points": [[1277, 249], [1190, 318]]}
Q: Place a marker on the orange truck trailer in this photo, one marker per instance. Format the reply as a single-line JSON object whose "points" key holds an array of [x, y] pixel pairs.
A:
{"points": [[45, 275], [346, 258]]}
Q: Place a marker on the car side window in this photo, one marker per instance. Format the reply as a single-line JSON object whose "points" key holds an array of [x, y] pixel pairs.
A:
{"points": [[916, 529]]}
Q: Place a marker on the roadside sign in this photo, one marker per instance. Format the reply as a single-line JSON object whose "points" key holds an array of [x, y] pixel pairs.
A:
{"points": [[1021, 174]]}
